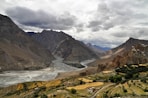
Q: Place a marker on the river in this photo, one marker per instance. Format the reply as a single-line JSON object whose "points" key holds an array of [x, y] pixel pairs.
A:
{"points": [[8, 78]]}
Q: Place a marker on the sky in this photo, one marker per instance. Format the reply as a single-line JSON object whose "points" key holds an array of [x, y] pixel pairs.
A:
{"points": [[106, 23]]}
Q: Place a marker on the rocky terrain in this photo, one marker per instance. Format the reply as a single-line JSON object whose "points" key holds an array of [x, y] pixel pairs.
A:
{"points": [[133, 51], [65, 46], [137, 55], [18, 51]]}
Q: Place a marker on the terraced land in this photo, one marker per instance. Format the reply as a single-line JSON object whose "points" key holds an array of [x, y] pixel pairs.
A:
{"points": [[125, 82]]}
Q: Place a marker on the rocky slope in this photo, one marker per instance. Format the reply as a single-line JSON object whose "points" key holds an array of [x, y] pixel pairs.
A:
{"points": [[63, 45], [18, 51], [133, 51], [126, 46], [137, 55]]}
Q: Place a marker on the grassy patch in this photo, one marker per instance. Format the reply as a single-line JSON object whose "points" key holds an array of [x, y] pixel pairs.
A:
{"points": [[85, 80], [85, 86]]}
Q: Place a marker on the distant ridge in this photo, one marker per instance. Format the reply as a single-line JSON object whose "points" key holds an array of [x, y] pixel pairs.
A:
{"points": [[98, 50]]}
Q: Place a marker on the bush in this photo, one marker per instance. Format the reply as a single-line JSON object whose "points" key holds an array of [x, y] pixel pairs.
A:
{"points": [[146, 89], [25, 87], [94, 80], [115, 79], [143, 80], [35, 95], [73, 91], [44, 96], [105, 95], [81, 82], [117, 95], [135, 75], [124, 90], [43, 88]]}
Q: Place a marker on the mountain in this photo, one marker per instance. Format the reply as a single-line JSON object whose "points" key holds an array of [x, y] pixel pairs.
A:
{"points": [[63, 45], [102, 48], [137, 55], [98, 50], [129, 44], [133, 51], [18, 51]]}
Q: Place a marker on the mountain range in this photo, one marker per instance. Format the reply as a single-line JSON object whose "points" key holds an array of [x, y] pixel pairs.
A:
{"points": [[63, 45], [21, 50]]}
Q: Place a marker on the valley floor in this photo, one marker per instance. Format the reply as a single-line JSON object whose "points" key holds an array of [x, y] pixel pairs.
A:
{"points": [[8, 78]]}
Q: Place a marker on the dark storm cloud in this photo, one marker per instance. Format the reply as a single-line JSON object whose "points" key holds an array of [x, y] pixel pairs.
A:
{"points": [[41, 19]]}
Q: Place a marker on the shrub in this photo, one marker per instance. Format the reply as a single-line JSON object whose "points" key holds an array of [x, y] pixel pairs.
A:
{"points": [[94, 80], [124, 90], [81, 82], [117, 95], [146, 89], [115, 79], [25, 87], [105, 95], [35, 95], [143, 80], [43, 88], [73, 91], [44, 96]]}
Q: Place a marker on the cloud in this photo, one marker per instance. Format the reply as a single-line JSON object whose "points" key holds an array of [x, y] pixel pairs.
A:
{"points": [[115, 21], [114, 13], [102, 22], [41, 18]]}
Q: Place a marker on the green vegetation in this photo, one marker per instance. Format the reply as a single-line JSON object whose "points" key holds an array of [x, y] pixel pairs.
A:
{"points": [[73, 91], [44, 96], [78, 65], [117, 95], [115, 78], [124, 81]]}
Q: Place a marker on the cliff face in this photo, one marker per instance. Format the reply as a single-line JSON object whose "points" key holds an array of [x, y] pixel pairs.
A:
{"points": [[18, 51], [63, 45]]}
